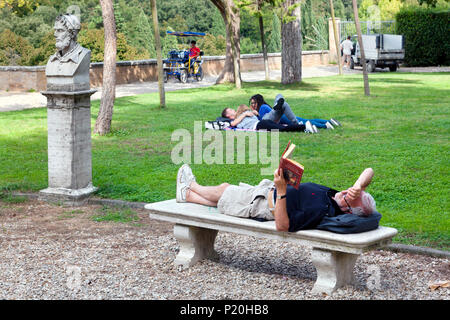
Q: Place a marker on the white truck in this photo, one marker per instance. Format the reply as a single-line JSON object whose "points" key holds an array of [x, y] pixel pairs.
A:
{"points": [[381, 50]]}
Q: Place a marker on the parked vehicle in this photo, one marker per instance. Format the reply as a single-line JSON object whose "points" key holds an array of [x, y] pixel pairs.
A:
{"points": [[381, 51]]}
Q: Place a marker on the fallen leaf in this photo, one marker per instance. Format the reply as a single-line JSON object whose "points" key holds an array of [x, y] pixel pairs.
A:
{"points": [[439, 284]]}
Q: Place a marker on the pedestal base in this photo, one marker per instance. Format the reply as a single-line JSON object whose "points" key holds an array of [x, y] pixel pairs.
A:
{"points": [[65, 196], [334, 269], [195, 244]]}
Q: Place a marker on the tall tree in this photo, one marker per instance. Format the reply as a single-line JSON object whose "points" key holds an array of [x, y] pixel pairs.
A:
{"points": [[103, 122], [291, 43], [361, 48], [336, 39], [20, 7], [255, 7], [230, 14], [162, 93], [275, 35]]}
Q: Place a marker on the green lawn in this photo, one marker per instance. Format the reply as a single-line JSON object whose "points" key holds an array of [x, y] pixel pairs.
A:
{"points": [[401, 131]]}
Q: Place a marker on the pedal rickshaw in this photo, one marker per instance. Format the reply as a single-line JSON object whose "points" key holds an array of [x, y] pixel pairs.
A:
{"points": [[178, 63]]}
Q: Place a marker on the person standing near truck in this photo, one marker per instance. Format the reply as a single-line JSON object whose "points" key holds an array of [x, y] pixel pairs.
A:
{"points": [[346, 47]]}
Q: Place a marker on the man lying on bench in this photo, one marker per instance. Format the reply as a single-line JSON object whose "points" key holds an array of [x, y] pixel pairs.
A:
{"points": [[292, 209]]}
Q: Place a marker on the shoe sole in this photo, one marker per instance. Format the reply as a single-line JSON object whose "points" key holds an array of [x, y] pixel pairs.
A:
{"points": [[178, 191], [308, 127]]}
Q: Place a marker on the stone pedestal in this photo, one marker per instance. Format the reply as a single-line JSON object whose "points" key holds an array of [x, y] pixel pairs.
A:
{"points": [[333, 55], [69, 146], [334, 269], [195, 244]]}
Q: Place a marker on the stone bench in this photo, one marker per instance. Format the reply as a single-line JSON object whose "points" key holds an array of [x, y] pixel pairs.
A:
{"points": [[334, 255]]}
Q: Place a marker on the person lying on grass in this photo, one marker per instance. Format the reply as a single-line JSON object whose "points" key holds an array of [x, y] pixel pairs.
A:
{"points": [[245, 118], [292, 209], [264, 111]]}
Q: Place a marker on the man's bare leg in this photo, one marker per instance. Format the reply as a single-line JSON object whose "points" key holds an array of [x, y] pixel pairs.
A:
{"points": [[193, 197], [208, 193]]}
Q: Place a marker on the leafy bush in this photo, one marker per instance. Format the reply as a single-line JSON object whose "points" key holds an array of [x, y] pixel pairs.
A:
{"points": [[14, 49], [213, 46], [427, 36], [94, 40]]}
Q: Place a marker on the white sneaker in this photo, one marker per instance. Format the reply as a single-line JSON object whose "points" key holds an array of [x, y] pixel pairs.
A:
{"points": [[184, 179], [308, 127], [334, 122], [329, 126], [315, 129]]}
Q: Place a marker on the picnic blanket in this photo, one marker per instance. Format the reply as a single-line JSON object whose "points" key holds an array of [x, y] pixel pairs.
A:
{"points": [[223, 125]]}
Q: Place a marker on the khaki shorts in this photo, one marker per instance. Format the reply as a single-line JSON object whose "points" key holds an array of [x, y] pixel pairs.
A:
{"points": [[247, 201]]}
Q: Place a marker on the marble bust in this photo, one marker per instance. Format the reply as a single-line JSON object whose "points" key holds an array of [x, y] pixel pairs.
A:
{"points": [[68, 68]]}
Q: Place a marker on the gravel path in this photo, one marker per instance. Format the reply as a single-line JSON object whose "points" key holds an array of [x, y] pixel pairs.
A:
{"points": [[55, 252]]}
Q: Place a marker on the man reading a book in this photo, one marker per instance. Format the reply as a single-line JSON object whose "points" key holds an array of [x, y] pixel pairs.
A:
{"points": [[292, 209]]}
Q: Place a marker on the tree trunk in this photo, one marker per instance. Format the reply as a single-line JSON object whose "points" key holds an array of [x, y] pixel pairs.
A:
{"points": [[361, 48], [263, 44], [336, 40], [291, 43], [231, 17], [103, 122], [162, 93]]}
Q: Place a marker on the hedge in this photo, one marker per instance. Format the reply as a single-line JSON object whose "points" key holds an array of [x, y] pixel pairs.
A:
{"points": [[427, 36]]}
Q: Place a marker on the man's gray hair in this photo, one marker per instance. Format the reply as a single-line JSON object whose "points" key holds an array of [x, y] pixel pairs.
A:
{"points": [[368, 205]]}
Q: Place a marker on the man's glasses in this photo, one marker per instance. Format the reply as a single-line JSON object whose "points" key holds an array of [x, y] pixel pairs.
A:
{"points": [[349, 207]]}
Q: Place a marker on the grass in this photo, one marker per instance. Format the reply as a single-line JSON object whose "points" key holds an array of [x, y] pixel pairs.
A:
{"points": [[9, 198], [70, 214], [401, 131], [115, 214]]}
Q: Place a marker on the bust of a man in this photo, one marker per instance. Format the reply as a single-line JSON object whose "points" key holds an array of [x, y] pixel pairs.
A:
{"points": [[68, 68]]}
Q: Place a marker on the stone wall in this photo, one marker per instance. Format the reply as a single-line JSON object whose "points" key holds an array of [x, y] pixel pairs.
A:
{"points": [[19, 78]]}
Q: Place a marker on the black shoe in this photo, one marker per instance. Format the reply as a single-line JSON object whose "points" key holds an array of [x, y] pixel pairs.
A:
{"points": [[279, 105]]}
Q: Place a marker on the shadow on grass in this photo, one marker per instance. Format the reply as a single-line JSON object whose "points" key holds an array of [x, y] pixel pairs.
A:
{"points": [[273, 85], [385, 80]]}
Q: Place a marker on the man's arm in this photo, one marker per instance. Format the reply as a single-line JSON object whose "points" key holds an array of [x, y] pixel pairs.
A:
{"points": [[280, 213], [238, 120], [364, 179], [361, 184]]}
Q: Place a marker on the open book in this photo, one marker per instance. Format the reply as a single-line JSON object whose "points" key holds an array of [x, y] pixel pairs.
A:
{"points": [[292, 170]]}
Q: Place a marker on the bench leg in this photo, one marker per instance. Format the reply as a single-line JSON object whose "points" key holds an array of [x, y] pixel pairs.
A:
{"points": [[334, 269], [195, 244]]}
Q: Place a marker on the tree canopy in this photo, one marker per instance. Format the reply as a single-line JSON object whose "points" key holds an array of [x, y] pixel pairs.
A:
{"points": [[30, 24]]}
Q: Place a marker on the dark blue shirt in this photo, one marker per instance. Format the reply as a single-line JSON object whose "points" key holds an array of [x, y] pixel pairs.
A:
{"points": [[265, 108], [312, 207], [307, 205]]}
